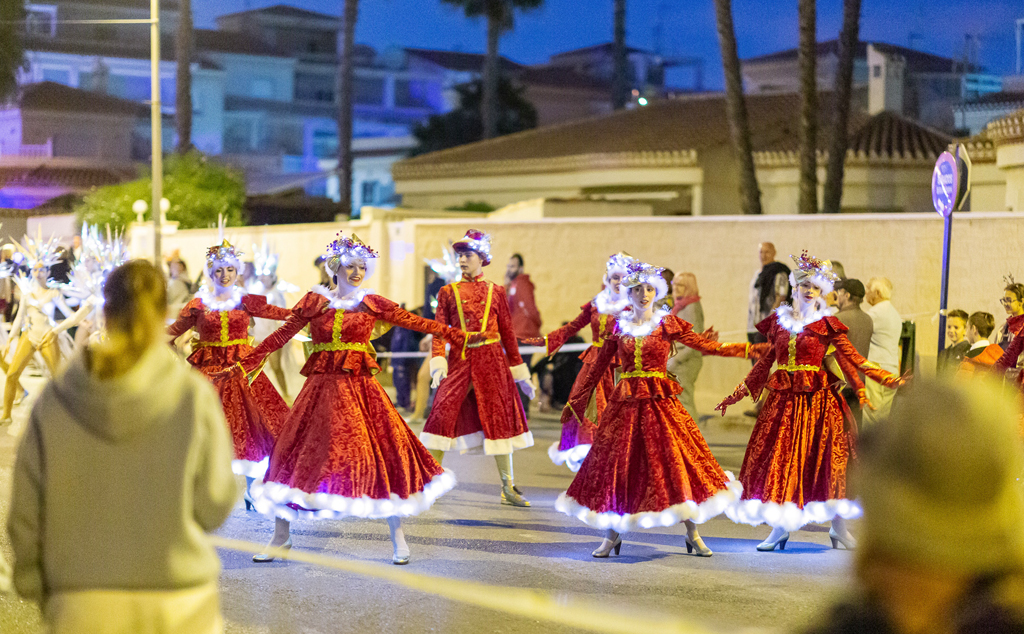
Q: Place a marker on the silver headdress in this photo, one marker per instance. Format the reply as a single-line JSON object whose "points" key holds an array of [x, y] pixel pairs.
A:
{"points": [[447, 268]]}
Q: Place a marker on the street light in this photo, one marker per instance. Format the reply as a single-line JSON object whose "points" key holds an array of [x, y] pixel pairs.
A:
{"points": [[140, 207], [156, 124]]}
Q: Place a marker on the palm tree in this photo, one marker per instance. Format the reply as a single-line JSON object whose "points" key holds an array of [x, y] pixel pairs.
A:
{"points": [[620, 85], [183, 82], [736, 109], [499, 14], [343, 85], [844, 87], [12, 56], [807, 56]]}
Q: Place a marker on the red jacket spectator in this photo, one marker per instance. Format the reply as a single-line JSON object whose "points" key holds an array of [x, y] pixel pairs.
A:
{"points": [[525, 317]]}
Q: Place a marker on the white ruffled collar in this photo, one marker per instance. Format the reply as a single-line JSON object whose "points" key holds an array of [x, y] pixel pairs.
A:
{"points": [[212, 304], [792, 323], [608, 304], [344, 303], [628, 327]]}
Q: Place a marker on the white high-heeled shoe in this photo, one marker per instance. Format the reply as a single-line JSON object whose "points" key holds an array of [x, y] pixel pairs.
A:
{"points": [[848, 542], [698, 544], [767, 546], [265, 558]]}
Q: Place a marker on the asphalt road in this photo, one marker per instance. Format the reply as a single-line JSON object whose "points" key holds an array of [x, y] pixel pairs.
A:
{"points": [[469, 535]]}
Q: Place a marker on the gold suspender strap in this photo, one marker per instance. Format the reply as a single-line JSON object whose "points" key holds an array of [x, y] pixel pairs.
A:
{"points": [[462, 316], [221, 344]]}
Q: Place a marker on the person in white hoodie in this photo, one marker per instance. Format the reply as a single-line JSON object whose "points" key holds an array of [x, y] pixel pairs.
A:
{"points": [[125, 464]]}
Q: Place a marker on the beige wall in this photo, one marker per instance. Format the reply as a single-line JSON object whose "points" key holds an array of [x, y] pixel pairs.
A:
{"points": [[565, 257]]}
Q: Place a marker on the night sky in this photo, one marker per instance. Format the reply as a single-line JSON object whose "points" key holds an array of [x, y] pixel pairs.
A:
{"points": [[762, 26]]}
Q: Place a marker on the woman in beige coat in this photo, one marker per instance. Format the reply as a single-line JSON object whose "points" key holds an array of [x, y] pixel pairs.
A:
{"points": [[125, 464]]}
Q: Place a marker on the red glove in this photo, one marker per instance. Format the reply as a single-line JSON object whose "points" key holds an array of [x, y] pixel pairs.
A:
{"points": [[758, 350], [710, 334], [532, 341], [455, 337], [737, 396], [898, 381]]}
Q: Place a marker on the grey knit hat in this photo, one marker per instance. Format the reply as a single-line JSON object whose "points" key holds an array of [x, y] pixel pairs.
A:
{"points": [[940, 480]]}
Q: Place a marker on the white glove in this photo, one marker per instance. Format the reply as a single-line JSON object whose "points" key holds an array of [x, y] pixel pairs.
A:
{"points": [[438, 371], [521, 375]]}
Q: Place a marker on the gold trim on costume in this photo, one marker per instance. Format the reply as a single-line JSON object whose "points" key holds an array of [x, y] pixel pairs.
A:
{"points": [[643, 374], [483, 322], [224, 325], [340, 345], [221, 344]]}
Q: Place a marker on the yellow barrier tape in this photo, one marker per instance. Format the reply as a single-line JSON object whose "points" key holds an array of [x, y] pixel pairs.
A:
{"points": [[525, 602]]}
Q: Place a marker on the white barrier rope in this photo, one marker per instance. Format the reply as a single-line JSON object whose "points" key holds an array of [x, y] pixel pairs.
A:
{"points": [[560, 608]]}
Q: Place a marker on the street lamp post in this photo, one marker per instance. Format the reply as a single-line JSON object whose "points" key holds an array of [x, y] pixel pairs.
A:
{"points": [[156, 122]]}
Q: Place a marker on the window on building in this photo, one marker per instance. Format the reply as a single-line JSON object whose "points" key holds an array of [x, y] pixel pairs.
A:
{"points": [[325, 144], [57, 75], [132, 87], [368, 90], [876, 70], [314, 87], [369, 193], [41, 20], [238, 136]]}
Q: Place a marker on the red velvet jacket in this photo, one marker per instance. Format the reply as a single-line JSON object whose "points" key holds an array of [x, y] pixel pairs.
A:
{"points": [[223, 335], [476, 306]]}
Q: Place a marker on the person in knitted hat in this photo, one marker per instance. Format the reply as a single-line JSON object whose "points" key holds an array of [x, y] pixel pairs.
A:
{"points": [[942, 548]]}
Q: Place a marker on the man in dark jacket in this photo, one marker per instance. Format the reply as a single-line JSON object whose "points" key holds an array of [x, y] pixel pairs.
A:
{"points": [[768, 289], [849, 295]]}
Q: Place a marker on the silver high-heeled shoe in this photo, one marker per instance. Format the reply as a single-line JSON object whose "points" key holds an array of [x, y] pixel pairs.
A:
{"points": [[849, 543], [265, 558], [767, 546], [603, 554], [400, 560], [249, 504], [698, 544]]}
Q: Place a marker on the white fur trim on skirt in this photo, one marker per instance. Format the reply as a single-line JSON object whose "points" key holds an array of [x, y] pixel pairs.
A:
{"points": [[689, 510], [476, 443], [251, 469], [572, 458], [788, 516], [273, 498]]}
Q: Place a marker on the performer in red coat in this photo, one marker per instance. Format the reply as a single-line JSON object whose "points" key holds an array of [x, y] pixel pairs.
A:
{"points": [[477, 407], [649, 465], [1008, 361], [794, 470], [584, 407], [220, 318], [344, 450]]}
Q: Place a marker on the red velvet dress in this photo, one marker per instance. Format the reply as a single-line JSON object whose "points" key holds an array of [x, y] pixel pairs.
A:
{"points": [[478, 405], [794, 470], [254, 413], [1008, 361], [344, 450], [649, 465], [584, 409]]}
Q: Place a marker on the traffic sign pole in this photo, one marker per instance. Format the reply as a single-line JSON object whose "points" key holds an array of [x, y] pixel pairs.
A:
{"points": [[950, 186]]}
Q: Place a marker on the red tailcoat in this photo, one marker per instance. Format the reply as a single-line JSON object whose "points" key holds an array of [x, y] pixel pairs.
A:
{"points": [[478, 404], [794, 470], [649, 465], [344, 450], [254, 414]]}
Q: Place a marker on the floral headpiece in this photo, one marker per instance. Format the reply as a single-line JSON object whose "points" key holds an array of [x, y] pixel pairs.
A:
{"points": [[476, 241], [448, 267], [619, 262], [345, 248], [223, 252], [638, 273], [264, 260], [818, 272]]}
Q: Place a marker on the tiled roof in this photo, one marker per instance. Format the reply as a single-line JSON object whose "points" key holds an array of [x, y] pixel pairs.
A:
{"points": [[674, 132], [53, 97], [283, 10], [54, 174], [457, 61], [1008, 129], [917, 61], [605, 47]]}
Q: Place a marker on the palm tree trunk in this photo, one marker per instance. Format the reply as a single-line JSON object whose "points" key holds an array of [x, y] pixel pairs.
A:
{"points": [[343, 84], [183, 82], [620, 86], [807, 57], [736, 109], [833, 196], [489, 104]]}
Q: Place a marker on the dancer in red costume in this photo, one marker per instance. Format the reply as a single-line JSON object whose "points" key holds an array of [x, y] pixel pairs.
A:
{"points": [[584, 408], [477, 406], [649, 465], [794, 470], [1007, 363], [345, 451], [221, 321]]}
